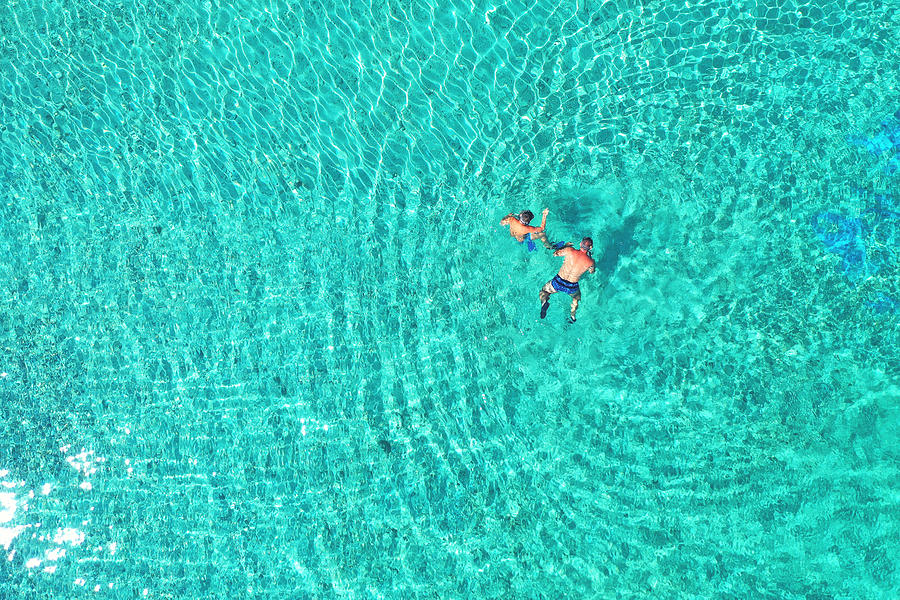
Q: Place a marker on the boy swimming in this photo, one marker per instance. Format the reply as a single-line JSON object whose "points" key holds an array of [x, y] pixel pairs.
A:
{"points": [[520, 229]]}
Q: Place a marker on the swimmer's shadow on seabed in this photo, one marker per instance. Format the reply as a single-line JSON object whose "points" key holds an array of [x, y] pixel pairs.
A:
{"points": [[619, 242]]}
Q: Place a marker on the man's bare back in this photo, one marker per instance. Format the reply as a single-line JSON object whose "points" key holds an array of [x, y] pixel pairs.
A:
{"points": [[575, 264]]}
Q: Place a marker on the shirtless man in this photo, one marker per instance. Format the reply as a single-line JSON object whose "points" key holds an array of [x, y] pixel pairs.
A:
{"points": [[575, 264], [520, 229]]}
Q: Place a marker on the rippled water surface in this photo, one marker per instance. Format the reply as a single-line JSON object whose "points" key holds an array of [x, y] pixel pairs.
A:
{"points": [[263, 337]]}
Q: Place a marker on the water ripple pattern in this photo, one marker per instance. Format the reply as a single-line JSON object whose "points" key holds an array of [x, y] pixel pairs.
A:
{"points": [[263, 338]]}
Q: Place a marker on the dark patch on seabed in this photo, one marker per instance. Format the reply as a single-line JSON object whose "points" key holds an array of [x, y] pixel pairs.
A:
{"points": [[571, 212], [620, 243], [885, 141], [868, 244]]}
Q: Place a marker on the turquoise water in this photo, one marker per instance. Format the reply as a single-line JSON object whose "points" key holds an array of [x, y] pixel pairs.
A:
{"points": [[263, 337]]}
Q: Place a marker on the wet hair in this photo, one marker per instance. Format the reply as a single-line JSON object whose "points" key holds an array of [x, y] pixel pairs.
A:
{"points": [[526, 216], [588, 241]]}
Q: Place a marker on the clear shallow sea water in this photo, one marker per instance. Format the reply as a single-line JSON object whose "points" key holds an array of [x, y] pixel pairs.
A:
{"points": [[263, 337]]}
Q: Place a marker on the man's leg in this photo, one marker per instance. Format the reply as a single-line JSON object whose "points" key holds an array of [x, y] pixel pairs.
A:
{"points": [[542, 237], [545, 298], [576, 298]]}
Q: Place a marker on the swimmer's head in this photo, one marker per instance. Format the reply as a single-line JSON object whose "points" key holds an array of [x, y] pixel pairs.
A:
{"points": [[525, 217], [587, 244]]}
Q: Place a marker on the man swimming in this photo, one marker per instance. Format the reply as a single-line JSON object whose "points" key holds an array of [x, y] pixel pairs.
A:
{"points": [[575, 264], [520, 229]]}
